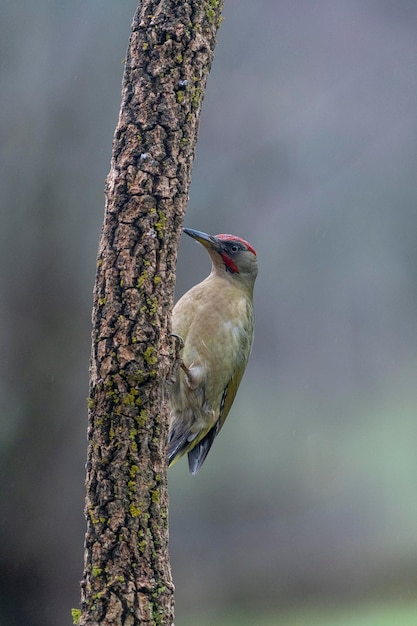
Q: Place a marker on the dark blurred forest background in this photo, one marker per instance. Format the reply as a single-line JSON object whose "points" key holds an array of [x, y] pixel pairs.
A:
{"points": [[308, 149]]}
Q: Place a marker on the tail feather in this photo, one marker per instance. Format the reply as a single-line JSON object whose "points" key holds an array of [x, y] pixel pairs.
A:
{"points": [[197, 455], [178, 442]]}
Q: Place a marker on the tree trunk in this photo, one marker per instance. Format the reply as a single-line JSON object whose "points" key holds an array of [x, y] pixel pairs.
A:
{"points": [[127, 579]]}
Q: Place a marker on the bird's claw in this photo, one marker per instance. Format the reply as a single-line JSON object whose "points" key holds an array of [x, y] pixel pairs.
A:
{"points": [[179, 342], [178, 346]]}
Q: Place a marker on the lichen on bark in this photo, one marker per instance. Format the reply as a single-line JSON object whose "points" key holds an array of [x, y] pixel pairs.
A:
{"points": [[127, 578]]}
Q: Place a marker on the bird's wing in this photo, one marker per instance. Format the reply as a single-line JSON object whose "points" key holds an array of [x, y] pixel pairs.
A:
{"points": [[197, 455]]}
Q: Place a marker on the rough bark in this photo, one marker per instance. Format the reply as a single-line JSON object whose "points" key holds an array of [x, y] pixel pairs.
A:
{"points": [[127, 578]]}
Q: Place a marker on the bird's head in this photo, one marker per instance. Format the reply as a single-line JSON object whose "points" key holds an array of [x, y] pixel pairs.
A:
{"points": [[230, 255]]}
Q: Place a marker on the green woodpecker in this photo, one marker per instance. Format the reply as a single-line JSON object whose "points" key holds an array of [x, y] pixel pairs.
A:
{"points": [[214, 324]]}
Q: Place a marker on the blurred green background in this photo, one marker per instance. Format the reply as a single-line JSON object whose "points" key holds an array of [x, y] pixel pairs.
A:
{"points": [[305, 511]]}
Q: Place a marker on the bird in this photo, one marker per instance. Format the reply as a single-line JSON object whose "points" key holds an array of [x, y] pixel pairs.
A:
{"points": [[214, 326]]}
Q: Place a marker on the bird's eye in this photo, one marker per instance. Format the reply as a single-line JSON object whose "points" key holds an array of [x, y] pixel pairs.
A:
{"points": [[234, 248]]}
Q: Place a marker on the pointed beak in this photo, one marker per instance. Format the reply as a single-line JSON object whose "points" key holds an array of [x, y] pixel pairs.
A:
{"points": [[208, 241]]}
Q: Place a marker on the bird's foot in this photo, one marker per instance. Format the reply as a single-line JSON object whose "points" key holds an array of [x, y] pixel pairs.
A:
{"points": [[193, 375], [178, 341], [178, 344]]}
